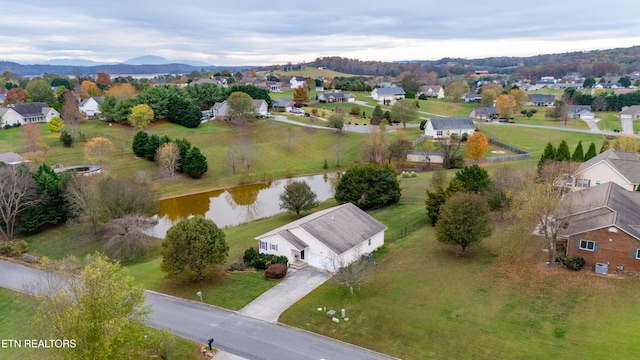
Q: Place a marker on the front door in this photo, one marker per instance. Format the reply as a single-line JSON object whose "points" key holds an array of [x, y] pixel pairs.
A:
{"points": [[302, 255]]}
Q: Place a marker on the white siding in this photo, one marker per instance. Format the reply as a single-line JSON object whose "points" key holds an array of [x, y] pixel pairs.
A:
{"points": [[11, 117], [602, 172]]}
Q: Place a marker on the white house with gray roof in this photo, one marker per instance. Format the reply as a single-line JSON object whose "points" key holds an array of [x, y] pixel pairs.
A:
{"points": [[389, 95], [440, 128], [622, 168], [90, 106], [297, 81], [338, 235], [27, 113], [630, 113]]}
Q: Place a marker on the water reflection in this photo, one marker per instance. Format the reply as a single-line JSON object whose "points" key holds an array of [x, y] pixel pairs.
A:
{"points": [[239, 204]]}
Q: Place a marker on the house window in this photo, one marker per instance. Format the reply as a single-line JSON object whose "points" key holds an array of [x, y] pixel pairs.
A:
{"points": [[263, 245], [636, 254], [369, 242], [598, 182], [584, 183], [587, 245], [274, 247], [439, 133]]}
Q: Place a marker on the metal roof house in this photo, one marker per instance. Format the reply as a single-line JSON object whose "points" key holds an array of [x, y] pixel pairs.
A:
{"points": [[339, 234], [439, 128]]}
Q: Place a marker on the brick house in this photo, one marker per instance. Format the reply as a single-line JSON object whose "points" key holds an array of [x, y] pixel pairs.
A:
{"points": [[603, 226]]}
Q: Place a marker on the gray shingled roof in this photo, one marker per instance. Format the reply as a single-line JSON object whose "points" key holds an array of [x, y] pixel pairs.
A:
{"points": [[578, 108], [541, 98], [30, 109], [626, 163], [452, 123], [631, 110], [602, 206], [390, 91], [98, 99], [340, 228], [10, 157]]}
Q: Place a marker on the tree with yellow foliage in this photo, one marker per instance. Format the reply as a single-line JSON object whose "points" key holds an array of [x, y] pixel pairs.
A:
{"points": [[506, 105], [625, 143], [89, 89], [520, 98], [141, 116], [477, 146], [122, 91], [56, 124], [97, 149]]}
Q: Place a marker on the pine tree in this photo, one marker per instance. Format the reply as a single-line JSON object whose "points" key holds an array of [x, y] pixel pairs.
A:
{"points": [[139, 143], [591, 152], [563, 154], [578, 154], [195, 164], [549, 153]]}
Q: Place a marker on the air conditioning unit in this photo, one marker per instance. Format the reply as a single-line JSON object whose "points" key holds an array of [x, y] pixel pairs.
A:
{"points": [[602, 268]]}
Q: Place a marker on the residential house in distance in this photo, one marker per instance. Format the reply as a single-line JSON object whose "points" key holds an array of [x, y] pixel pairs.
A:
{"points": [[336, 96], [388, 95], [547, 80], [439, 128], [283, 104], [27, 113], [90, 106], [470, 97], [297, 81], [581, 112], [219, 110], [601, 225], [338, 235], [10, 158], [541, 100], [630, 113], [434, 91], [622, 168], [484, 113]]}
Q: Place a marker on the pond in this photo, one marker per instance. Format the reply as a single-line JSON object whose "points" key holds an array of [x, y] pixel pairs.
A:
{"points": [[237, 205]]}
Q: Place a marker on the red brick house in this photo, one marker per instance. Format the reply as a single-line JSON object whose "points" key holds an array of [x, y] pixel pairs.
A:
{"points": [[604, 227]]}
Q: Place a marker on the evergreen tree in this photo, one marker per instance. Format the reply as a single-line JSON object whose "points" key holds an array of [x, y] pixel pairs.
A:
{"points": [[473, 178], [153, 143], [563, 154], [605, 146], [549, 153], [578, 154], [591, 152], [140, 143], [52, 208], [195, 164]]}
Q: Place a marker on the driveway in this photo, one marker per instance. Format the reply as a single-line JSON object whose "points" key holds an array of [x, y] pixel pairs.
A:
{"points": [[627, 126], [296, 285]]}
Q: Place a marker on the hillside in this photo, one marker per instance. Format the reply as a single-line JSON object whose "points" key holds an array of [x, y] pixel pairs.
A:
{"points": [[37, 69]]}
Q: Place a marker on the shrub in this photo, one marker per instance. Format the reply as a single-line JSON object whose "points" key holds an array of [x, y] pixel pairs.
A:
{"points": [[276, 271], [237, 266], [13, 248], [263, 261], [249, 255], [574, 263], [66, 138]]}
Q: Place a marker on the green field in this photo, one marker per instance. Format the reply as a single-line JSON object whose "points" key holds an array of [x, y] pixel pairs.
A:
{"points": [[540, 119], [608, 121], [425, 301]]}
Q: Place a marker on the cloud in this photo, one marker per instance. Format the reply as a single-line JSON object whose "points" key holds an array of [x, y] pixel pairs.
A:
{"points": [[254, 32]]}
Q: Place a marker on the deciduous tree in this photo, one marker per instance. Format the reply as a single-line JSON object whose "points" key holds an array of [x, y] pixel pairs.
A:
{"points": [[477, 146], [89, 89], [121, 91], [464, 220], [192, 249], [520, 97], [624, 143], [97, 149], [353, 275], [70, 113], [336, 121], [168, 157], [31, 136], [127, 237], [99, 307], [56, 124], [240, 109], [141, 116], [297, 197], [17, 193], [16, 96], [455, 91], [506, 105], [404, 111], [300, 95], [39, 90]]}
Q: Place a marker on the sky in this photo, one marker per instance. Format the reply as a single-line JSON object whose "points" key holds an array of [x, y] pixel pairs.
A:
{"points": [[251, 32]]}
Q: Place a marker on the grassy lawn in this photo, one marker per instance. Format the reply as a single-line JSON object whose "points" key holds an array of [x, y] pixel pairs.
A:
{"points": [[608, 121], [446, 107], [539, 119], [425, 298], [534, 140], [636, 127], [313, 72], [18, 308]]}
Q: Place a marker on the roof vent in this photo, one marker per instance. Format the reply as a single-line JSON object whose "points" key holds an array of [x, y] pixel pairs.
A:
{"points": [[613, 230]]}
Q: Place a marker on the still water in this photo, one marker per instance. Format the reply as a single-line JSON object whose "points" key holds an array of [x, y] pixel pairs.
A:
{"points": [[238, 204]]}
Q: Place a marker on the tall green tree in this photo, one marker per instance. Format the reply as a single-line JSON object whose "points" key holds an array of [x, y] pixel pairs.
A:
{"points": [[39, 90], [548, 154], [297, 197], [404, 111], [563, 154], [369, 186], [464, 220], [474, 178], [99, 307], [195, 164], [180, 110], [52, 208], [140, 143], [152, 145], [240, 108], [578, 154], [591, 152], [192, 249]]}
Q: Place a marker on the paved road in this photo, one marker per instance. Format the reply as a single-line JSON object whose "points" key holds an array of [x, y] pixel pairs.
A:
{"points": [[233, 333]]}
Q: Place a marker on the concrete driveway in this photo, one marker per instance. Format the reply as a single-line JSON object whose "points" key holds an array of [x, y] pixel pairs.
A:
{"points": [[627, 126], [296, 285]]}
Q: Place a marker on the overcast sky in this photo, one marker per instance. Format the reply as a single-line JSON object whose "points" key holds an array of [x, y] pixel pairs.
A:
{"points": [[251, 32]]}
